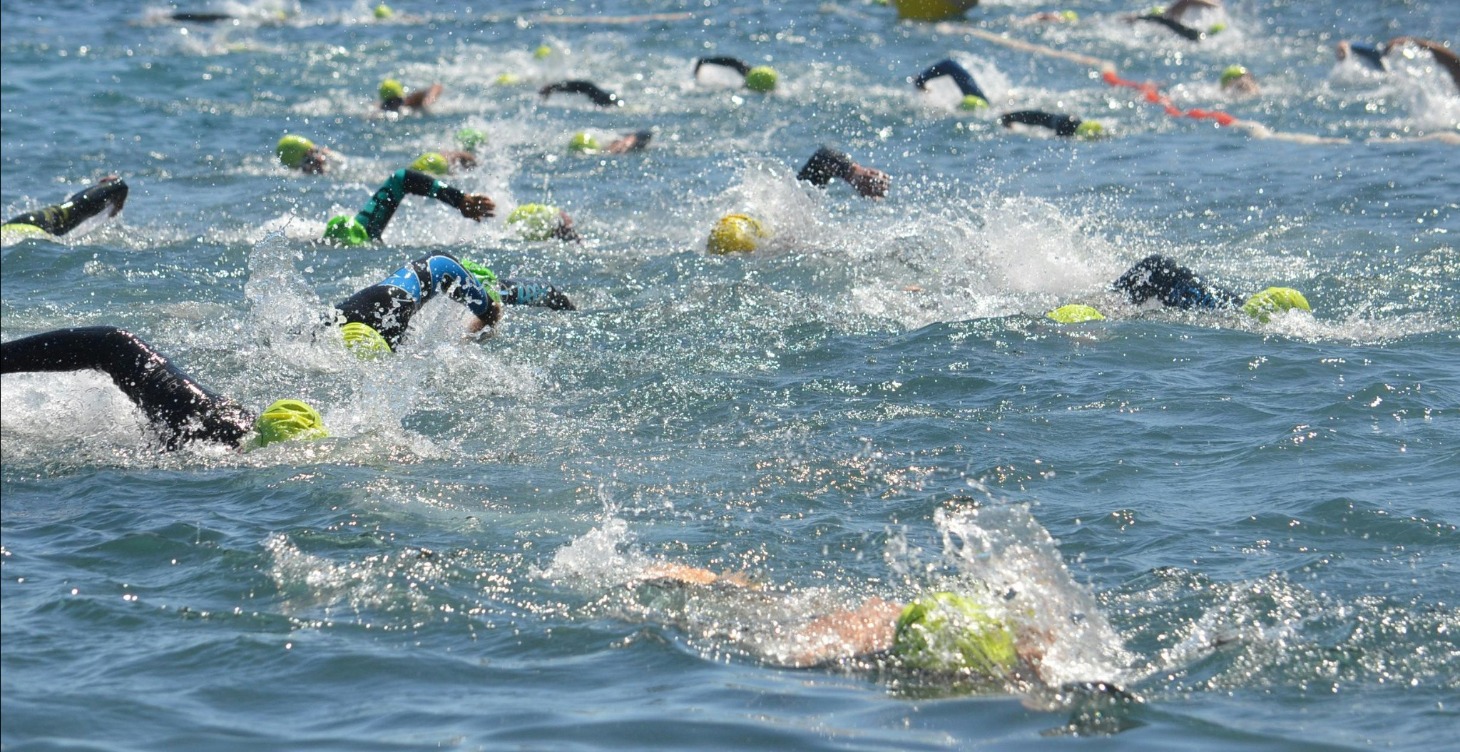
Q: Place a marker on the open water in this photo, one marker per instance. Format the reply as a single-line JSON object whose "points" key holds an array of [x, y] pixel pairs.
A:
{"points": [[1249, 526]]}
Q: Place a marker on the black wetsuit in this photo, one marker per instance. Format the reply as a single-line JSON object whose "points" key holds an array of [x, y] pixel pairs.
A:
{"points": [[827, 163], [65, 217], [599, 96], [729, 62], [1176, 286], [180, 409], [1176, 27], [953, 70], [1062, 125]]}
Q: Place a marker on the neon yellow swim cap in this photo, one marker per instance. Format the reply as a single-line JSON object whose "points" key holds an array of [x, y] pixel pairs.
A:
{"points": [[364, 341], [1069, 16], [535, 221], [346, 231], [761, 78], [291, 150], [1075, 313], [973, 102], [1217, 28], [950, 633], [22, 230], [583, 142], [1089, 129], [383, 11], [470, 138], [1274, 300], [542, 51], [508, 79], [486, 276], [287, 420], [391, 89], [431, 163], [736, 233], [1232, 73]]}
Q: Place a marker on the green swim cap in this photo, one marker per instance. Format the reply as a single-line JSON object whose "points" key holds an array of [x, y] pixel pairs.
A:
{"points": [[431, 163], [583, 142], [364, 341], [287, 420], [535, 221], [23, 229], [1075, 313], [1089, 129], [542, 51], [508, 79], [470, 138], [1069, 16], [391, 89], [973, 102], [291, 150], [346, 231], [1232, 73], [1217, 28], [761, 78], [486, 276], [736, 233], [949, 633], [1274, 300], [383, 11]]}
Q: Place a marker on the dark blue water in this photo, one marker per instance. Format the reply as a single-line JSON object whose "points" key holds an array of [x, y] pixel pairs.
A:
{"points": [[1250, 526]]}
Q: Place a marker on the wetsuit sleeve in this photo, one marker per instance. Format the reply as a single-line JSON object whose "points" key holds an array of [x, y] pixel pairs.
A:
{"points": [[1175, 286], [447, 275], [1063, 125], [1175, 26], [728, 62], [376, 214], [531, 292], [65, 217], [825, 164], [180, 409], [599, 96], [954, 71]]}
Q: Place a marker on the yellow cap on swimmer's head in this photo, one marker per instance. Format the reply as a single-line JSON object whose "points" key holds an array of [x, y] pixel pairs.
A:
{"points": [[1232, 73], [950, 633], [346, 231], [1274, 300], [535, 221], [431, 163], [1090, 130], [288, 420], [292, 150], [1075, 313], [364, 341], [761, 78], [391, 89], [973, 102], [736, 233]]}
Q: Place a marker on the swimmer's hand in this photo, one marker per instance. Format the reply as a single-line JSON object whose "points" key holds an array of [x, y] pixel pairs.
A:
{"points": [[476, 206], [869, 182]]}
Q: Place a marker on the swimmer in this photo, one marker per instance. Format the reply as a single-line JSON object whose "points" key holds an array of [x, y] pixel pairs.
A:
{"points": [[828, 163], [393, 96], [179, 409], [1171, 18], [444, 162], [584, 142], [1157, 277], [589, 89], [760, 78], [1062, 125], [299, 153], [109, 194], [542, 222], [960, 76], [1373, 55], [1237, 81], [370, 223], [374, 320]]}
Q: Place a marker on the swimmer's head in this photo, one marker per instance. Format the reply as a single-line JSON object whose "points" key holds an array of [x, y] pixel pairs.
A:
{"points": [[292, 150], [950, 633], [1075, 313], [364, 341], [1069, 16], [973, 102], [1231, 74], [583, 142], [470, 138], [383, 11], [509, 79], [288, 420], [391, 90], [346, 231], [431, 163], [736, 233], [535, 221], [1216, 28], [542, 51], [761, 78], [1090, 130], [486, 277], [1274, 300]]}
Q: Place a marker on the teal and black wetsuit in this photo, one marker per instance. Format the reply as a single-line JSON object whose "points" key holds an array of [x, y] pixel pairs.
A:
{"points": [[381, 207], [65, 217], [180, 409], [387, 306], [1176, 286]]}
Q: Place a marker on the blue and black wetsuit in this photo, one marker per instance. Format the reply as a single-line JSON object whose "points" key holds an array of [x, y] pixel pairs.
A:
{"points": [[388, 305], [1062, 125], [65, 217], [381, 207], [1176, 286], [180, 409], [953, 70]]}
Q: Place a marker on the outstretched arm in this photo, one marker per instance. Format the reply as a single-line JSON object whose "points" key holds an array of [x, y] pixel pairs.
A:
{"points": [[1445, 56], [954, 71], [828, 163], [868, 629], [378, 211], [729, 62], [600, 97]]}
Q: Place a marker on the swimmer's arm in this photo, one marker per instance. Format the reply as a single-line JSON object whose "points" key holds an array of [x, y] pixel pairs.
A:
{"points": [[471, 205], [728, 62], [866, 630], [424, 97], [1180, 7], [1445, 56]]}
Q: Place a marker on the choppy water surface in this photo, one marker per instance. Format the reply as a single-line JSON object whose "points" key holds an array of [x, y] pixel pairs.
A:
{"points": [[1251, 527]]}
